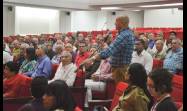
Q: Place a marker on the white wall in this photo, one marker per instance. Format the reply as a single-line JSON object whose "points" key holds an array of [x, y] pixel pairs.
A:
{"points": [[65, 22], [8, 21], [136, 18], [36, 20], [163, 18], [98, 20]]}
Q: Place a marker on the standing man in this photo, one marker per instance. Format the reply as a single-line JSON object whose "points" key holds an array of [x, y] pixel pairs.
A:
{"points": [[120, 50]]}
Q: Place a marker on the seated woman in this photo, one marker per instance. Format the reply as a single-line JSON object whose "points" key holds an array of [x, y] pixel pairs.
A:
{"points": [[136, 97], [14, 82], [66, 69], [56, 58], [160, 85], [58, 97], [30, 61]]}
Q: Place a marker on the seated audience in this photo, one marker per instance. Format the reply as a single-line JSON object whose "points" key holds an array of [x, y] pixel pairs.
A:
{"points": [[13, 82], [58, 97], [91, 67], [136, 97], [172, 35], [160, 86], [174, 58], [50, 53], [38, 87], [69, 47], [82, 53], [30, 61], [6, 55], [140, 55], [16, 48], [160, 53], [56, 58], [66, 69], [43, 66], [97, 80]]}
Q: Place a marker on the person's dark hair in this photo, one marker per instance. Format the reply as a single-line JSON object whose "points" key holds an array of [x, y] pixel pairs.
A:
{"points": [[38, 86], [13, 67], [138, 77], [63, 97], [31, 53], [173, 32], [162, 79]]}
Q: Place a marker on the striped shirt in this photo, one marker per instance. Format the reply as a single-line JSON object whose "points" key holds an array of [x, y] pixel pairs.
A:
{"points": [[121, 49]]}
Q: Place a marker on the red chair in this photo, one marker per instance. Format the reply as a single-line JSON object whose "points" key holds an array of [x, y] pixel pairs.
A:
{"points": [[54, 68], [79, 94], [118, 93], [13, 104], [110, 103], [107, 94], [177, 93], [78, 109], [80, 78], [157, 64]]}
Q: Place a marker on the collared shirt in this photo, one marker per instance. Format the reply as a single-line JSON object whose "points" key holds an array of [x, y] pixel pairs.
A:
{"points": [[80, 58], [144, 58], [43, 68], [151, 43], [174, 60], [66, 73], [121, 49], [104, 70], [27, 66]]}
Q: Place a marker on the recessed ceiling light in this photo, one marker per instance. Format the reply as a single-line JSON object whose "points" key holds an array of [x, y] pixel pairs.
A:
{"points": [[162, 5], [110, 8]]}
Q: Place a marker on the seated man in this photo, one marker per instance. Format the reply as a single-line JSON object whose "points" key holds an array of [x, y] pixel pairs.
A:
{"points": [[13, 82], [174, 58], [66, 69], [141, 56], [160, 53], [96, 83], [82, 53], [43, 66]]}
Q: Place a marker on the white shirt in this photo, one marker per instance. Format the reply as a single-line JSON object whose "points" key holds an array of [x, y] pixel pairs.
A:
{"points": [[7, 57], [66, 73], [144, 58]]}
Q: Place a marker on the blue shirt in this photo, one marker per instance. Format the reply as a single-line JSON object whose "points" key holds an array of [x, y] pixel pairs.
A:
{"points": [[174, 60], [151, 44], [121, 49], [43, 68]]}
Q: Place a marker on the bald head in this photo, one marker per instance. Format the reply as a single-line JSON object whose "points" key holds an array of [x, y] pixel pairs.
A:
{"points": [[122, 22]]}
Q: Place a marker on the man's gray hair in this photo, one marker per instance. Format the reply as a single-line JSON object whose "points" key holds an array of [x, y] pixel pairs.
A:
{"points": [[43, 47]]}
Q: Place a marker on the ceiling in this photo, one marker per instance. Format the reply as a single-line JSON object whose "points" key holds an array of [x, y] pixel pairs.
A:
{"points": [[93, 4]]}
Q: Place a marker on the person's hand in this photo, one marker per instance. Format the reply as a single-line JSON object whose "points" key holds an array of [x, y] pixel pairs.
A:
{"points": [[87, 61]]}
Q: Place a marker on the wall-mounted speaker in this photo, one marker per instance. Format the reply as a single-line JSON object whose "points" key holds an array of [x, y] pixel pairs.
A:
{"points": [[10, 8], [68, 13], [113, 13]]}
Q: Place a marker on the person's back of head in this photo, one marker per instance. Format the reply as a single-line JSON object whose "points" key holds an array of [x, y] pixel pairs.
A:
{"points": [[38, 86], [63, 98]]}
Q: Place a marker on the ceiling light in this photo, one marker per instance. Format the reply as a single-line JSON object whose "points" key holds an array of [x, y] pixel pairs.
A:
{"points": [[110, 8], [136, 10], [162, 5]]}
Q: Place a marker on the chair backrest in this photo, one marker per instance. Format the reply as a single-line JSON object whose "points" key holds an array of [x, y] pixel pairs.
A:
{"points": [[80, 78], [54, 68], [157, 64], [121, 86], [13, 104], [78, 109], [79, 94], [177, 93]]}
